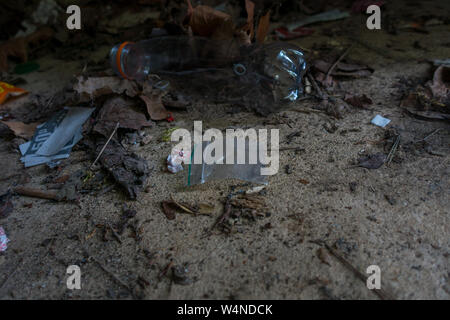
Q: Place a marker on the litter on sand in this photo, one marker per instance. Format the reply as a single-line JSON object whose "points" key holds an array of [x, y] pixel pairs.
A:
{"points": [[54, 139], [380, 121], [3, 240]]}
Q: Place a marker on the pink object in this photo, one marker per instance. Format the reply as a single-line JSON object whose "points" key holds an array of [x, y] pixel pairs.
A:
{"points": [[3, 240], [361, 5]]}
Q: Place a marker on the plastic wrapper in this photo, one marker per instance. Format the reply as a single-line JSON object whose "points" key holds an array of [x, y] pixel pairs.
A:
{"points": [[205, 171]]}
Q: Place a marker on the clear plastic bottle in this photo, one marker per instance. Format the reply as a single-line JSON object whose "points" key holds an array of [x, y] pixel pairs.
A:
{"points": [[279, 65]]}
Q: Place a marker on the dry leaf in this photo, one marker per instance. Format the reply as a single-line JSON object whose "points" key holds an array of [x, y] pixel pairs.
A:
{"points": [[263, 28], [169, 209], [120, 110], [205, 21], [250, 8], [21, 129], [303, 181], [155, 107], [361, 101], [91, 88]]}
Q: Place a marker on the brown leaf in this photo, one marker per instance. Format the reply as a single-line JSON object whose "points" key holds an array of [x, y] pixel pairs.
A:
{"points": [[263, 28], [93, 87], [21, 129], [155, 107], [205, 21], [169, 209], [118, 109], [250, 8], [361, 101], [303, 181]]}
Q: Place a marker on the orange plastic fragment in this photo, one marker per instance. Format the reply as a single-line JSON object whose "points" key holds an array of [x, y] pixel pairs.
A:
{"points": [[7, 90]]}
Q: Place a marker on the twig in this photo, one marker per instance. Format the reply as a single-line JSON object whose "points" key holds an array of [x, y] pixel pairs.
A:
{"points": [[337, 61], [112, 275], [106, 144], [382, 294], [223, 217], [36, 193], [430, 135], [165, 270]]}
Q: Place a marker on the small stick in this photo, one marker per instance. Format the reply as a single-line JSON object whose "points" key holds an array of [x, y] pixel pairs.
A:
{"points": [[165, 270], [106, 144], [379, 292], [112, 275], [337, 61], [432, 134], [36, 193]]}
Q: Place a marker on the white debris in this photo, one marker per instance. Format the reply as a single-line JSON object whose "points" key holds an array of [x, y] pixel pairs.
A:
{"points": [[380, 121]]}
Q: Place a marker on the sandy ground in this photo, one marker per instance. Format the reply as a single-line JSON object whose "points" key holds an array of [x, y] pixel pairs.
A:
{"points": [[396, 217]]}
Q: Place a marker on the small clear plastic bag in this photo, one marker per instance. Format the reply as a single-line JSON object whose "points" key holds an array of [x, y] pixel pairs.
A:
{"points": [[205, 171]]}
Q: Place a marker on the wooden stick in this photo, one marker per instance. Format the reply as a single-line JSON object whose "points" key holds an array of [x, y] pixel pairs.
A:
{"points": [[382, 294], [337, 61], [104, 147], [36, 193]]}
